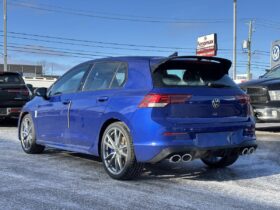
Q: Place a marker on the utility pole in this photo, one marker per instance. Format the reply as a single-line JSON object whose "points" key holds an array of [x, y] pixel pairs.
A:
{"points": [[5, 35], [234, 37], [249, 49]]}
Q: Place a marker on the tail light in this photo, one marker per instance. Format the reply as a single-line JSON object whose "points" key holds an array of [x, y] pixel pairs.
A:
{"points": [[20, 91], [243, 99], [25, 92], [13, 90], [154, 100], [249, 131], [15, 110]]}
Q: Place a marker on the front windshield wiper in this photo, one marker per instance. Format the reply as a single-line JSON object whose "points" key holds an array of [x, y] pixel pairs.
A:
{"points": [[217, 85]]}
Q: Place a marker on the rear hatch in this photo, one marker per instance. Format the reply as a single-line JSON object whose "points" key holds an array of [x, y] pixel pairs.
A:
{"points": [[13, 91], [196, 90]]}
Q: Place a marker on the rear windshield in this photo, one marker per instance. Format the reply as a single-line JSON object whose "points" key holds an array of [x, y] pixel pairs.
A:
{"points": [[177, 74], [274, 73], [10, 79]]}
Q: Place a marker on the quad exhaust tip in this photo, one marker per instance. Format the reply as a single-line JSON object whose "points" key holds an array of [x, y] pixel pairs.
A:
{"points": [[187, 158], [178, 158], [175, 159], [251, 150], [245, 151], [248, 151]]}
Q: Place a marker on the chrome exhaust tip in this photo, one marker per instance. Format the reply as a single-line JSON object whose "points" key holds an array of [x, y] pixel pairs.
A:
{"points": [[251, 150], [245, 151], [175, 159], [187, 157]]}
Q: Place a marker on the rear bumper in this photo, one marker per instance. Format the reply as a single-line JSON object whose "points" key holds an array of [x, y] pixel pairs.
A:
{"points": [[154, 139], [10, 112], [197, 152]]}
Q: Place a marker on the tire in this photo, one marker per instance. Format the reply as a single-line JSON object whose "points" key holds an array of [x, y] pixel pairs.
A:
{"points": [[117, 153], [221, 162], [28, 137]]}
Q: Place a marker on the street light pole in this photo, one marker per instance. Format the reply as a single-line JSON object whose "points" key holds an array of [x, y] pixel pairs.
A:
{"points": [[249, 49], [5, 34], [234, 37]]}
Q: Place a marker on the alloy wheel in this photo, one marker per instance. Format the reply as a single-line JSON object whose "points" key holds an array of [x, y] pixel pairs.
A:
{"points": [[26, 133], [115, 150]]}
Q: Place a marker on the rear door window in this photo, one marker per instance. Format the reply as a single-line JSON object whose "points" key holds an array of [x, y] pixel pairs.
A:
{"points": [[194, 75], [106, 75]]}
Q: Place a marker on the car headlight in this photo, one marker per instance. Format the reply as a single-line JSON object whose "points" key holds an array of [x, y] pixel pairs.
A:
{"points": [[274, 95]]}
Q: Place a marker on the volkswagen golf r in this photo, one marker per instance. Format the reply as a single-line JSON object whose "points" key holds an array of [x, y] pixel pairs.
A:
{"points": [[136, 110]]}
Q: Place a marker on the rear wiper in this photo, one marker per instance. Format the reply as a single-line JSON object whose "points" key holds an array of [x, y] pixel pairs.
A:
{"points": [[217, 85]]}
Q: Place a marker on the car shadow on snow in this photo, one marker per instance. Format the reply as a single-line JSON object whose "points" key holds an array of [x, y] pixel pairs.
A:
{"points": [[197, 171], [8, 122], [51, 151], [265, 162]]}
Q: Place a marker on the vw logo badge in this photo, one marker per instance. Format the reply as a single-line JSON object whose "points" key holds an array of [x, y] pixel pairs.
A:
{"points": [[275, 53], [216, 103]]}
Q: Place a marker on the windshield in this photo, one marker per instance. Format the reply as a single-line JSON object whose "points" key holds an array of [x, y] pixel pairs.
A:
{"points": [[191, 75], [10, 79], [274, 73]]}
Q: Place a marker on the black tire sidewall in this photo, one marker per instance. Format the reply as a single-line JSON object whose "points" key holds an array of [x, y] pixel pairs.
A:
{"points": [[227, 160], [33, 146]]}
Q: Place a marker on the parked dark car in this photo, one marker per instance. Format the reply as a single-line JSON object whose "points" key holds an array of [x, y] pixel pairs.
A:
{"points": [[14, 93], [136, 110], [265, 96]]}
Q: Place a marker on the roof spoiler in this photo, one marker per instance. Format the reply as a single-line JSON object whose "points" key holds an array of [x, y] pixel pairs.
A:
{"points": [[222, 61]]}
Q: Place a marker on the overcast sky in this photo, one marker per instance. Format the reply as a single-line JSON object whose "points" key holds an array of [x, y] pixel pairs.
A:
{"points": [[62, 33]]}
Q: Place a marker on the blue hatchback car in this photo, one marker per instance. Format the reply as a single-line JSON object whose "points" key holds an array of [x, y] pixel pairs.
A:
{"points": [[136, 110]]}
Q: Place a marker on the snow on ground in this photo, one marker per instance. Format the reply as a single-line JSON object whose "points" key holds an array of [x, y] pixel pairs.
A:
{"points": [[64, 180]]}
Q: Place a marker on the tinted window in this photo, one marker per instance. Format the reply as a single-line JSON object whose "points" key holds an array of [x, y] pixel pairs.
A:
{"points": [[11, 79], [105, 76], [191, 75], [120, 76], [70, 82]]}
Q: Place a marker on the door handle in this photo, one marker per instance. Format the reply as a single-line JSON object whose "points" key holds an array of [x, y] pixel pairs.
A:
{"points": [[44, 105], [103, 99], [66, 102]]}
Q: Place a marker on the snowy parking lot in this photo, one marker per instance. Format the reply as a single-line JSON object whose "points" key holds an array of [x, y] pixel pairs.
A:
{"points": [[64, 180]]}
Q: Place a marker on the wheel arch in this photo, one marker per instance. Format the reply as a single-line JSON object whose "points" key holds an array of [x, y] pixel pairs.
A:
{"points": [[105, 124]]}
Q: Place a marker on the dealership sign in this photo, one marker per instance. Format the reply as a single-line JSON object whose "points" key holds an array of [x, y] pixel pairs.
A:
{"points": [[275, 54], [207, 45]]}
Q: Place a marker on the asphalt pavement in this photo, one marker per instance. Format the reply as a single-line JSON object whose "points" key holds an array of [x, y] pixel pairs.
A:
{"points": [[65, 180]]}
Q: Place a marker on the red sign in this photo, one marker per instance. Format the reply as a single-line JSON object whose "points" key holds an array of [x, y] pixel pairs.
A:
{"points": [[207, 45]]}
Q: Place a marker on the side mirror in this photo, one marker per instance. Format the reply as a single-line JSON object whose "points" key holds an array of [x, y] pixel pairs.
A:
{"points": [[41, 92]]}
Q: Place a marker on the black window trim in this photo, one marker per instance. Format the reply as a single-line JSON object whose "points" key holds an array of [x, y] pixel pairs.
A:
{"points": [[116, 71]]}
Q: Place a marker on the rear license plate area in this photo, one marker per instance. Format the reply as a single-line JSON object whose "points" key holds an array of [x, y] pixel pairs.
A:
{"points": [[213, 139], [3, 111]]}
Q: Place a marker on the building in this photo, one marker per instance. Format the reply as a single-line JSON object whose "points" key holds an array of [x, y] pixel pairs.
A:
{"points": [[32, 74], [37, 82], [25, 70]]}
